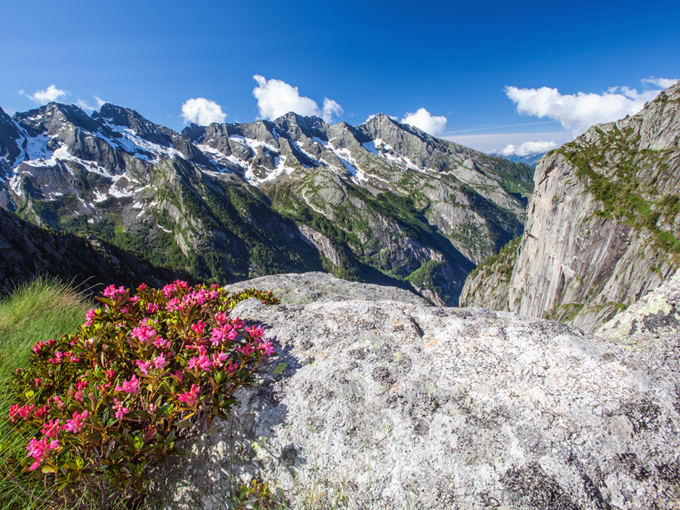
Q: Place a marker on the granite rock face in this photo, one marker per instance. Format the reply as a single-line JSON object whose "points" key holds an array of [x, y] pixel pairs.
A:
{"points": [[603, 225], [391, 404], [305, 288]]}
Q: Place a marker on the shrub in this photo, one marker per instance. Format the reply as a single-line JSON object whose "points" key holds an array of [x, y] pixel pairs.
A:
{"points": [[101, 405]]}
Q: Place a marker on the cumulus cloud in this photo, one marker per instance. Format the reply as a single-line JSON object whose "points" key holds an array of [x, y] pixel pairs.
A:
{"points": [[330, 109], [577, 112], [202, 111], [87, 106], [424, 120], [48, 95], [528, 148], [276, 98], [664, 83]]}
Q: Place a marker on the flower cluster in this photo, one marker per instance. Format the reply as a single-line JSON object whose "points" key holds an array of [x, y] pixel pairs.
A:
{"points": [[109, 399]]}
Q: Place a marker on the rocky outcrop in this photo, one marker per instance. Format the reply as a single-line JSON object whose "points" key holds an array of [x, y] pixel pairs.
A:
{"points": [[305, 288], [391, 404], [603, 226], [655, 315]]}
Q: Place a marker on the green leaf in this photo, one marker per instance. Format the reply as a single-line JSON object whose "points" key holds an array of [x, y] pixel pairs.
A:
{"points": [[280, 368]]}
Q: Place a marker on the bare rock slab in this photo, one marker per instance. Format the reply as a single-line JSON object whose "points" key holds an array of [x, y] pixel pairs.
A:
{"points": [[388, 404]]}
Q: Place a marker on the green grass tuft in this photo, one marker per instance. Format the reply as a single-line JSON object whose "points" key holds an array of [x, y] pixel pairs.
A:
{"points": [[39, 310]]}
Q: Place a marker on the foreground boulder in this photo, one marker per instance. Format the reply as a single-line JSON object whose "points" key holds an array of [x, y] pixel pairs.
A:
{"points": [[389, 404]]}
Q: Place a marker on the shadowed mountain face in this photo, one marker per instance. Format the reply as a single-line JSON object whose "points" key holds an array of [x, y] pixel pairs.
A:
{"points": [[383, 202]]}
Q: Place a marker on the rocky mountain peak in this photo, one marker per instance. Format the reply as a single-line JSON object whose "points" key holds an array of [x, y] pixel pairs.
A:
{"points": [[10, 139], [145, 129], [52, 117], [296, 125]]}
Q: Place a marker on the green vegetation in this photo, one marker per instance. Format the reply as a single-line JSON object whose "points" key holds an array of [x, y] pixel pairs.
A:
{"points": [[39, 310], [99, 406], [617, 183], [502, 262]]}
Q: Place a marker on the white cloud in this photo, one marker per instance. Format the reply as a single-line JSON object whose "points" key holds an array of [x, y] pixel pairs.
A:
{"points": [[664, 83], [86, 106], [48, 95], [202, 111], [330, 109], [528, 148], [577, 112], [276, 98], [424, 120]]}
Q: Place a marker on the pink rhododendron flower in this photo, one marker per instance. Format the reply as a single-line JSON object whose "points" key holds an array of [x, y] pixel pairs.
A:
{"points": [[190, 397], [22, 412], [129, 386], [221, 334], [37, 381], [51, 428], [89, 316], [230, 367], [121, 410], [181, 284], [110, 374], [39, 450], [202, 362], [267, 347], [255, 332], [142, 287], [219, 359], [58, 358], [125, 310], [58, 401], [77, 423], [221, 318], [151, 307], [134, 299], [178, 376], [169, 289], [143, 366], [237, 323], [112, 292], [173, 305], [214, 294], [159, 361], [161, 343], [198, 327], [246, 350], [143, 333]]}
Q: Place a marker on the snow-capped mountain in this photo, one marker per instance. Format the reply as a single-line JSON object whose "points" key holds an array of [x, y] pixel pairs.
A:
{"points": [[380, 202]]}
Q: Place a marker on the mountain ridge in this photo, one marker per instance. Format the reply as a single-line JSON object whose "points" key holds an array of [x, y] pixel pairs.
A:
{"points": [[382, 202]]}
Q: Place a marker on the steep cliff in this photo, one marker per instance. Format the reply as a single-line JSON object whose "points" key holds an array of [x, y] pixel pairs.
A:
{"points": [[603, 226]]}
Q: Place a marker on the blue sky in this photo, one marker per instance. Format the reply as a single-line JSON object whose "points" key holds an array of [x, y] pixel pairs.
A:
{"points": [[454, 59]]}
